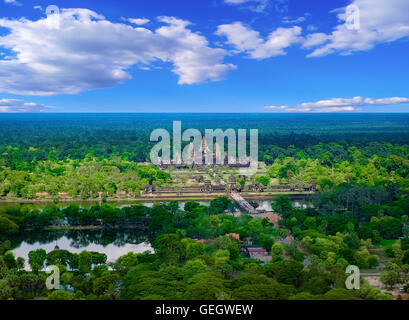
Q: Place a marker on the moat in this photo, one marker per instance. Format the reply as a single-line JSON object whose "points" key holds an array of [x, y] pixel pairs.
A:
{"points": [[113, 242]]}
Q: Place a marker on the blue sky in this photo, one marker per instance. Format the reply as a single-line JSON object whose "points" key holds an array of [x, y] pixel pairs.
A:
{"points": [[204, 56]]}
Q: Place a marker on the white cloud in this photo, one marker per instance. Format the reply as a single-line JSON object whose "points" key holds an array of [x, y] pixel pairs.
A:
{"points": [[13, 2], [240, 36], [81, 50], [285, 108], [288, 20], [139, 21], [315, 39], [244, 39], [380, 21], [253, 5], [356, 101], [312, 27], [20, 106], [337, 109], [236, 1], [339, 104], [277, 107]]}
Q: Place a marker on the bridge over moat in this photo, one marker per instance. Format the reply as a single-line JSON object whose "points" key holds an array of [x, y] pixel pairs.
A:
{"points": [[243, 203]]}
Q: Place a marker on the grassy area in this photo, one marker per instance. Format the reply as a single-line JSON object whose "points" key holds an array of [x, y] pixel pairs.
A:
{"points": [[385, 244]]}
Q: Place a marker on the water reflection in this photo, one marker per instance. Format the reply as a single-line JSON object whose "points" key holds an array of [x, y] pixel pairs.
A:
{"points": [[114, 243], [263, 204]]}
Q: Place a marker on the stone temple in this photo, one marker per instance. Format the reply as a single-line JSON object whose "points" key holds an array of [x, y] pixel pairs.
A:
{"points": [[205, 153]]}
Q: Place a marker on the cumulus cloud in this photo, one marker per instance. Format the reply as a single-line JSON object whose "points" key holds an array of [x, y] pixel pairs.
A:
{"points": [[247, 40], [139, 21], [81, 50], [339, 104], [315, 39], [380, 21], [20, 106]]}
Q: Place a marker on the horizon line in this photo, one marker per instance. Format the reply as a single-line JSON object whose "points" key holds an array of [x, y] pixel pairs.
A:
{"points": [[263, 113]]}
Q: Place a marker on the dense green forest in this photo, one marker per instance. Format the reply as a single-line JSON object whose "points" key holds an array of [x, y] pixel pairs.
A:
{"points": [[360, 164], [88, 178], [214, 268], [92, 155]]}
